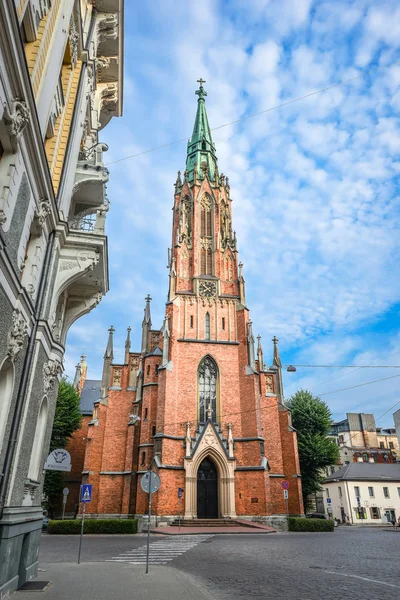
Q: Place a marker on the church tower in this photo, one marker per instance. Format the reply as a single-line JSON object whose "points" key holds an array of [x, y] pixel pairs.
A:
{"points": [[206, 413]]}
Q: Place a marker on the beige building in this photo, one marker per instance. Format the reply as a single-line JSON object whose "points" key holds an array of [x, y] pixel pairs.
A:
{"points": [[387, 439], [363, 493]]}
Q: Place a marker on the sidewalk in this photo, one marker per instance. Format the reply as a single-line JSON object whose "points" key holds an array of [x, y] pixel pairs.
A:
{"points": [[248, 530], [112, 581]]}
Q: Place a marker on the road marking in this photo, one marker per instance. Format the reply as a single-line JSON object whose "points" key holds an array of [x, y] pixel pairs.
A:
{"points": [[161, 551], [364, 578]]}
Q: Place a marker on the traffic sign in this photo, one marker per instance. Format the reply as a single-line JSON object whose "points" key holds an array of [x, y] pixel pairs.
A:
{"points": [[329, 500], [86, 492], [180, 492], [286, 494], [285, 484], [65, 494], [145, 482]]}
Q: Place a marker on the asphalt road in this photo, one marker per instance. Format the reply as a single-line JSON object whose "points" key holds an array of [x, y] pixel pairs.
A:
{"points": [[359, 563]]}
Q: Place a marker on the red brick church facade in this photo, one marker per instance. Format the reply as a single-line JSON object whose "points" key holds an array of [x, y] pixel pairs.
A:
{"points": [[211, 414]]}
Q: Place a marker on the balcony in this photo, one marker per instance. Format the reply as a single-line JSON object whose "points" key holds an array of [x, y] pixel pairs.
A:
{"points": [[90, 178]]}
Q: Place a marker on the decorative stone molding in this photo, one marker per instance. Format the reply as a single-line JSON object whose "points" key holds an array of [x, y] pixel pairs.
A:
{"points": [[107, 28], [15, 119], [73, 41], [210, 445], [102, 64], [109, 97], [117, 375], [50, 371], [17, 334], [43, 211]]}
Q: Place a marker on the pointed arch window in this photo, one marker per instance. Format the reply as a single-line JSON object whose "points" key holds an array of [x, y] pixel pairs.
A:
{"points": [[207, 385], [205, 217], [207, 328], [206, 261]]}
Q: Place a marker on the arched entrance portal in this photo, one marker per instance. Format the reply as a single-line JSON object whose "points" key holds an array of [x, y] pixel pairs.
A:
{"points": [[207, 490]]}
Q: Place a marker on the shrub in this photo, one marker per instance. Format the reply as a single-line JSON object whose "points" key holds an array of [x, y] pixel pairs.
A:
{"points": [[73, 526], [301, 524]]}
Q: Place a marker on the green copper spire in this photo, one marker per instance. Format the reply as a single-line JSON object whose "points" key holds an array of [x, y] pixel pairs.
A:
{"points": [[201, 149]]}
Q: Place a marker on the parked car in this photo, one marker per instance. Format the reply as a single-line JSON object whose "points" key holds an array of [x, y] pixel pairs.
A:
{"points": [[320, 516]]}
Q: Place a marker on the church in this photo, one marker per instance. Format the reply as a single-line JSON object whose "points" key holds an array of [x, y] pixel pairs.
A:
{"points": [[196, 403]]}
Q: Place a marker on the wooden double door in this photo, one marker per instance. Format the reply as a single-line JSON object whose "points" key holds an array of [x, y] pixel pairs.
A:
{"points": [[207, 490]]}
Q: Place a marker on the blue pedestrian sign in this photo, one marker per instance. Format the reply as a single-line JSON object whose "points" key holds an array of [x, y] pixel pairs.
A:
{"points": [[180, 492], [86, 492], [329, 500]]}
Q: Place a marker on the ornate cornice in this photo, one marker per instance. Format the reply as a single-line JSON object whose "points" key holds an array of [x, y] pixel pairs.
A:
{"points": [[43, 211], [50, 371], [17, 334], [15, 119]]}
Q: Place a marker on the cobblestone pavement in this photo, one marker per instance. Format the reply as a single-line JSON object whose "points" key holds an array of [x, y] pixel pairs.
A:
{"points": [[359, 563], [354, 563]]}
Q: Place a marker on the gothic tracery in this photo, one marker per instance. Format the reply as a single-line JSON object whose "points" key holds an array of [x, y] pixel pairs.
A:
{"points": [[207, 375]]}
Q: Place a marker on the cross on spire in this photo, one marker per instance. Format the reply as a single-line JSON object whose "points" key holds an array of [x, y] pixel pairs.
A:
{"points": [[201, 91]]}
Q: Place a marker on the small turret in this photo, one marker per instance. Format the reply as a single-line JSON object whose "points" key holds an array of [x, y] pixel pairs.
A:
{"points": [[277, 368], [250, 346], [77, 377], [260, 354], [80, 374], [127, 345], [146, 325], [108, 358], [178, 183], [242, 287]]}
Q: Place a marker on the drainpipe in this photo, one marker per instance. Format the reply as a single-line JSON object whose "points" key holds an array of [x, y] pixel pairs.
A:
{"points": [[12, 442]]}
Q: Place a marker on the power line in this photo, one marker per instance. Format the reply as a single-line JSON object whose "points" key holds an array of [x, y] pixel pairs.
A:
{"points": [[359, 385], [346, 366], [348, 372], [244, 118]]}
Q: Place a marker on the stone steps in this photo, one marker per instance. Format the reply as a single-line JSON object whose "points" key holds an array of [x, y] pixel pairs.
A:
{"points": [[208, 523]]}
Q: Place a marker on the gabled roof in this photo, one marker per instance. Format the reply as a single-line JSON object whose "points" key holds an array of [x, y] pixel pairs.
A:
{"points": [[90, 394], [366, 472]]}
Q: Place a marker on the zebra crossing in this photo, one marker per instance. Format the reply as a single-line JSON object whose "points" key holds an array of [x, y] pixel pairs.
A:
{"points": [[162, 551]]}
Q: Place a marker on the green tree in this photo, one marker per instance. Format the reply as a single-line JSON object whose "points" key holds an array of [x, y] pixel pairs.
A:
{"points": [[67, 419], [311, 418]]}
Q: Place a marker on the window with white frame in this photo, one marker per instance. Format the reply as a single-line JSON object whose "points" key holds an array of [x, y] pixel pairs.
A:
{"points": [[386, 492], [357, 491], [371, 492]]}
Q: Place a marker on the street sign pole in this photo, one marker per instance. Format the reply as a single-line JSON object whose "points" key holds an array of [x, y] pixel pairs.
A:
{"points": [[65, 494], [85, 496], [82, 526], [148, 525], [180, 490], [286, 496]]}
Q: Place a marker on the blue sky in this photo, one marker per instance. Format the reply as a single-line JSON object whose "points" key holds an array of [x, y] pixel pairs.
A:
{"points": [[315, 185]]}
